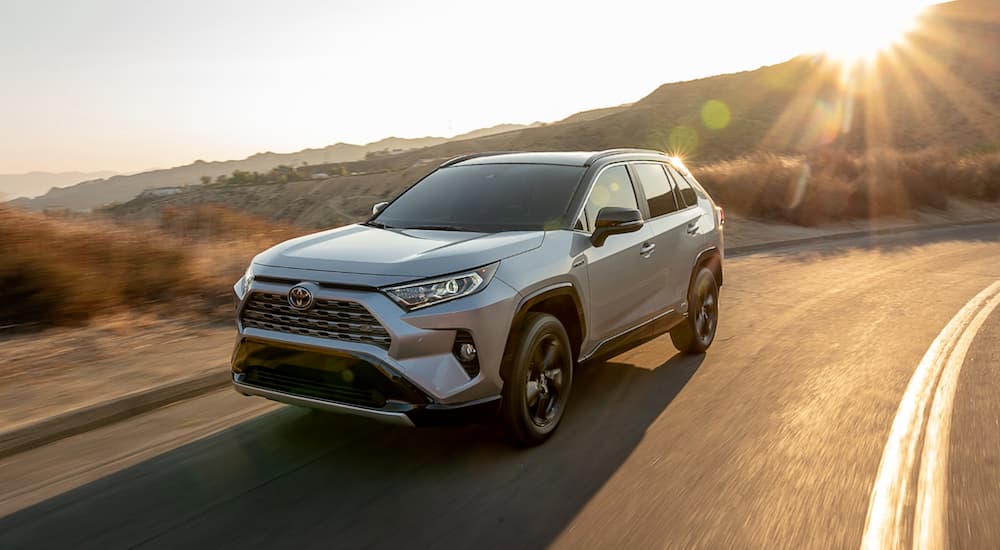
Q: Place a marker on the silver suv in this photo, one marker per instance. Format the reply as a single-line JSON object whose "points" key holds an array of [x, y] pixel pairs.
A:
{"points": [[476, 291]]}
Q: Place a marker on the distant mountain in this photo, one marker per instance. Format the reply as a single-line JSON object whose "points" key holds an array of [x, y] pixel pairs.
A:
{"points": [[33, 184], [108, 188], [492, 130], [594, 114]]}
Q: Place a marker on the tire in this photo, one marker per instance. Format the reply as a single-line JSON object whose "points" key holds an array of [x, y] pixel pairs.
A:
{"points": [[538, 376], [697, 332]]}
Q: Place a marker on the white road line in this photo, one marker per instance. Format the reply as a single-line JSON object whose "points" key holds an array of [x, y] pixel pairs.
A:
{"points": [[884, 527], [930, 528]]}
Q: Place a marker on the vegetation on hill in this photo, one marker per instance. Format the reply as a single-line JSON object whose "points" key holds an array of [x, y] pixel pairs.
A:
{"points": [[280, 174]]}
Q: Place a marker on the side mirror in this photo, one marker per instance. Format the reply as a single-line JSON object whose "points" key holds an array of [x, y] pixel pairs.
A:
{"points": [[378, 207], [614, 220]]}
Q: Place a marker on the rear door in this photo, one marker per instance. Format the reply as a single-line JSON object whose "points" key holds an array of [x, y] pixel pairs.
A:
{"points": [[698, 220], [667, 219], [621, 272]]}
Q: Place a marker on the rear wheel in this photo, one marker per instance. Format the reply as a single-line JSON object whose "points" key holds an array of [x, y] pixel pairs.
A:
{"points": [[697, 332], [538, 367]]}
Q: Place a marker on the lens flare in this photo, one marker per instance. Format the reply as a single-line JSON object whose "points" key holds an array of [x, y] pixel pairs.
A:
{"points": [[715, 114], [678, 163], [683, 140], [824, 124]]}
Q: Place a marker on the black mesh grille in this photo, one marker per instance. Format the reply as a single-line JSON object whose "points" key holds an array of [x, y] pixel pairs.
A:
{"points": [[332, 377], [331, 386], [333, 319]]}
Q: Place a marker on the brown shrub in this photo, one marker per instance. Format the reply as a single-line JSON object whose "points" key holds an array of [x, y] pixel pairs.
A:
{"points": [[67, 270], [833, 185], [216, 222]]}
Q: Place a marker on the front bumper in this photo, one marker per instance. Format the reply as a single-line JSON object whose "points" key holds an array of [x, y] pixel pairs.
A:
{"points": [[414, 378], [398, 418], [426, 415]]}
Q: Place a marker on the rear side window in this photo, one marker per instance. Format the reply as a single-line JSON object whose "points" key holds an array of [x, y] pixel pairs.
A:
{"points": [[612, 188], [687, 193], [697, 188], [659, 192]]}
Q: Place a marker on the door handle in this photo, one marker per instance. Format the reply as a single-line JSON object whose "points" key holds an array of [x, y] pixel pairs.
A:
{"points": [[647, 250], [692, 227]]}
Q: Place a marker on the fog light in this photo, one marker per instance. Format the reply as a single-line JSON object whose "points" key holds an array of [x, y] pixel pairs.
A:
{"points": [[467, 352]]}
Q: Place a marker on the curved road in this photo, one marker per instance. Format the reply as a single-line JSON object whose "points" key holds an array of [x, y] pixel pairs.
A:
{"points": [[773, 439]]}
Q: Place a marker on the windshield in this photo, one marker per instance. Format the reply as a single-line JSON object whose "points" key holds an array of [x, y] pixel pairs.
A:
{"points": [[486, 198]]}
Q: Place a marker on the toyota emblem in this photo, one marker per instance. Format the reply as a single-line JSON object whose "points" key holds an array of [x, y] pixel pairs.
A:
{"points": [[299, 297]]}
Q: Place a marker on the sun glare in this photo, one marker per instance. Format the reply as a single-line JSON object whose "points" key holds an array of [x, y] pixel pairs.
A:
{"points": [[859, 37]]}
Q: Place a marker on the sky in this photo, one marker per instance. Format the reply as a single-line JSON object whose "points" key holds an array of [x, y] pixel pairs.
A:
{"points": [[129, 85]]}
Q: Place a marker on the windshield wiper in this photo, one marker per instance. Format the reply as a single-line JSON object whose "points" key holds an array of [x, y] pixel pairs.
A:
{"points": [[437, 227], [378, 225]]}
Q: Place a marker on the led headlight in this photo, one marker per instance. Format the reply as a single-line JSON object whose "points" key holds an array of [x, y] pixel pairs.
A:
{"points": [[434, 291]]}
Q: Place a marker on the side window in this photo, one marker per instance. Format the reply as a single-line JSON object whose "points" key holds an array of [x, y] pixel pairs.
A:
{"points": [[697, 188], [659, 192], [686, 191], [612, 188]]}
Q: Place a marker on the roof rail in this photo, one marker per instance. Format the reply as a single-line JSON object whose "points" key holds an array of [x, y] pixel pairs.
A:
{"points": [[610, 152], [462, 158]]}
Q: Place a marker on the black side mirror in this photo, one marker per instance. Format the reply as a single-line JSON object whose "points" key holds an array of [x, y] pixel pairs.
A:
{"points": [[614, 220], [378, 207]]}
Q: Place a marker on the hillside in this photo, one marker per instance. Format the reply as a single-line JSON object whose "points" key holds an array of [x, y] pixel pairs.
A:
{"points": [[121, 188], [35, 183], [943, 90], [594, 114]]}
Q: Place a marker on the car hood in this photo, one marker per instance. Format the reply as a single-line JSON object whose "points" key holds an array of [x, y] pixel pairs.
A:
{"points": [[360, 249]]}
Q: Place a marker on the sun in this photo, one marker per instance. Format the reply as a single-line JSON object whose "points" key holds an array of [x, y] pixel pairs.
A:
{"points": [[857, 36]]}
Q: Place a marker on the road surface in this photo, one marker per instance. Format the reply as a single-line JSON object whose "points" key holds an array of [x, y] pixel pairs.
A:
{"points": [[776, 438]]}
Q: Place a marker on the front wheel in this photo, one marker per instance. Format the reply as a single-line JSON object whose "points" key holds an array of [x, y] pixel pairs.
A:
{"points": [[697, 332], [538, 367]]}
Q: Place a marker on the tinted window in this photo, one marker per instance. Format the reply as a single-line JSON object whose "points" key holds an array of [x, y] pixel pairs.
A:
{"points": [[686, 191], [659, 193], [487, 197], [612, 188], [697, 188]]}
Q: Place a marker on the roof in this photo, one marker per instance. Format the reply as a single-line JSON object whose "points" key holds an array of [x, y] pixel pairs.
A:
{"points": [[571, 158]]}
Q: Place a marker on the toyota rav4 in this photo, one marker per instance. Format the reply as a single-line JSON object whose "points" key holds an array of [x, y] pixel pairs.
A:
{"points": [[478, 289]]}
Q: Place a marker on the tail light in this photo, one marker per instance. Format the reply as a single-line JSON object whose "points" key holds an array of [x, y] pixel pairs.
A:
{"points": [[721, 215]]}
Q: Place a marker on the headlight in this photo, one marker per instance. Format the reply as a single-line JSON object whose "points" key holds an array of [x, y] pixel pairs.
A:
{"points": [[243, 285], [434, 291]]}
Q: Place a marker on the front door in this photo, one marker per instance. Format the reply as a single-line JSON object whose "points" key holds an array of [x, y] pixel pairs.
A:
{"points": [[621, 273]]}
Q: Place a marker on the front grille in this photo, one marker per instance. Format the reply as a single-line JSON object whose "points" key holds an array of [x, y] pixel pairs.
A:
{"points": [[330, 386], [334, 319]]}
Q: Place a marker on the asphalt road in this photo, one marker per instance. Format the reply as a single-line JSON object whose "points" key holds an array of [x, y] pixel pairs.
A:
{"points": [[773, 439]]}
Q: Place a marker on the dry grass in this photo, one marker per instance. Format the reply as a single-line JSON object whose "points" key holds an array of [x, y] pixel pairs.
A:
{"points": [[60, 270], [834, 185]]}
